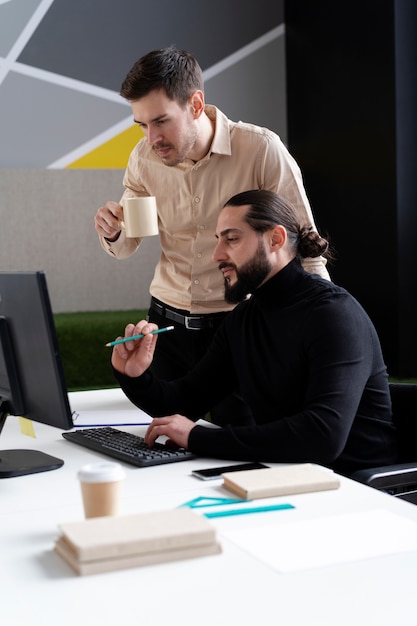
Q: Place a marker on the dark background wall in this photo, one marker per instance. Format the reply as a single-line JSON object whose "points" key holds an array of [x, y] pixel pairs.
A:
{"points": [[352, 102]]}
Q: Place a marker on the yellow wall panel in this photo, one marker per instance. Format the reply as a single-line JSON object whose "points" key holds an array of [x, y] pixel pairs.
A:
{"points": [[112, 154]]}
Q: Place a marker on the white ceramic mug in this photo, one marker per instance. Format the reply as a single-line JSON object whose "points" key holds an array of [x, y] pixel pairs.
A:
{"points": [[140, 216]]}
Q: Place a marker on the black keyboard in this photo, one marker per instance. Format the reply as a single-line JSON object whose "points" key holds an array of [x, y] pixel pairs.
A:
{"points": [[126, 447]]}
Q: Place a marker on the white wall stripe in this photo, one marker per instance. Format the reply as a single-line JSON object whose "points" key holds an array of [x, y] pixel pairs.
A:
{"points": [[7, 62], [69, 83], [244, 52]]}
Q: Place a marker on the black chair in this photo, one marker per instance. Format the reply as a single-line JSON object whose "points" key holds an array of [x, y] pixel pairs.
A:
{"points": [[399, 480]]}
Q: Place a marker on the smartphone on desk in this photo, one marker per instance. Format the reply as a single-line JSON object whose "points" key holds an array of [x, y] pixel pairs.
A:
{"points": [[215, 472]]}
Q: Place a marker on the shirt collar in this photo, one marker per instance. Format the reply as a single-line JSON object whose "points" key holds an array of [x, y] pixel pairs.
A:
{"points": [[221, 141], [283, 286]]}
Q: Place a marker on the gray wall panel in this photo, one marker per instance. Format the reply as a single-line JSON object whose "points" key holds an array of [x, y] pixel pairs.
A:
{"points": [[47, 224], [97, 41], [250, 92], [13, 18], [41, 121]]}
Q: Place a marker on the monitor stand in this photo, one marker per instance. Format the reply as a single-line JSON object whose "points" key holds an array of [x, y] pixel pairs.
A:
{"points": [[23, 462]]}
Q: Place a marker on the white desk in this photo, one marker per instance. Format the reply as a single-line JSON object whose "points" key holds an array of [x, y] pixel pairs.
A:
{"points": [[236, 587]]}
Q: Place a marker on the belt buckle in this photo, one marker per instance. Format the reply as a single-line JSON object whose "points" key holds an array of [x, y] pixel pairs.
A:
{"points": [[187, 321]]}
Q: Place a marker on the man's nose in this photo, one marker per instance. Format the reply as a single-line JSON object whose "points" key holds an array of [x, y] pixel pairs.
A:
{"points": [[218, 253], [154, 136]]}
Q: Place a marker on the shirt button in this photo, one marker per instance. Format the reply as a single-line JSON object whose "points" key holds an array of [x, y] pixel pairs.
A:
{"points": [[196, 282], [199, 255], [196, 199]]}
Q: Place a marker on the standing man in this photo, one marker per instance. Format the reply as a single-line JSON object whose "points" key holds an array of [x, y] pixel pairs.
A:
{"points": [[192, 159]]}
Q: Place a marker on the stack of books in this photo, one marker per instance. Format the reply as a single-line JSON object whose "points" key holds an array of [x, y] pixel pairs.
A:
{"points": [[103, 544]]}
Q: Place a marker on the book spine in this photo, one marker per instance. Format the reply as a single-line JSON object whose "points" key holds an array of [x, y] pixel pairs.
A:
{"points": [[109, 565], [142, 546]]}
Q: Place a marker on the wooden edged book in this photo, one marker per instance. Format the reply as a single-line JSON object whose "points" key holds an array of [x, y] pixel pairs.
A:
{"points": [[103, 544], [280, 481]]}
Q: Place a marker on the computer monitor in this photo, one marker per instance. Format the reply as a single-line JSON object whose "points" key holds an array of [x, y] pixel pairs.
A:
{"points": [[32, 382]]}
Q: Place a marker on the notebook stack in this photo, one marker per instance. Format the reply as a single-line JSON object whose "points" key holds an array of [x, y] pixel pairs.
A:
{"points": [[103, 544]]}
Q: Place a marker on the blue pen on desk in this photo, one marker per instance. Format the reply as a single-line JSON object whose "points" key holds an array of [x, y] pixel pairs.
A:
{"points": [[253, 509], [135, 337]]}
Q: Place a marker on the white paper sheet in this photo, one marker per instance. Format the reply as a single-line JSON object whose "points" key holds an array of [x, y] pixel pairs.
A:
{"points": [[109, 407], [327, 540], [105, 407], [131, 417]]}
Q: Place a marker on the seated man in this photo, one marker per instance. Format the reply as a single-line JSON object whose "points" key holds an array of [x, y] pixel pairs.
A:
{"points": [[302, 350]]}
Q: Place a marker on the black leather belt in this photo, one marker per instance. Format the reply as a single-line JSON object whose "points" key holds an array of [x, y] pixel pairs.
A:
{"points": [[190, 322]]}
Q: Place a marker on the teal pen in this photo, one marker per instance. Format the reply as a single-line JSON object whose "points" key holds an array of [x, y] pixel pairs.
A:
{"points": [[253, 509], [135, 337]]}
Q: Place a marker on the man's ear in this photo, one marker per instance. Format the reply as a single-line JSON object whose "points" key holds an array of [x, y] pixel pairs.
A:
{"points": [[278, 237], [197, 103]]}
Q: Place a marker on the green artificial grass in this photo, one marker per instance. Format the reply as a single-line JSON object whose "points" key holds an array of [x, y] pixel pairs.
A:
{"points": [[82, 339]]}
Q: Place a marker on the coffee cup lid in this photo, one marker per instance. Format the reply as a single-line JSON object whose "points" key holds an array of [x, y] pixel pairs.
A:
{"points": [[104, 472]]}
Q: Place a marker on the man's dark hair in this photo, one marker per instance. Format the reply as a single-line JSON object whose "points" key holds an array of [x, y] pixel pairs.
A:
{"points": [[267, 209], [176, 71]]}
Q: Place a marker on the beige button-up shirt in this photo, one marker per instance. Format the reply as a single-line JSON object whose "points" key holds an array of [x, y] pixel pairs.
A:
{"points": [[189, 197]]}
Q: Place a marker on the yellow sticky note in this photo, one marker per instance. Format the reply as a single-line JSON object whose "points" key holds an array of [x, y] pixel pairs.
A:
{"points": [[26, 427]]}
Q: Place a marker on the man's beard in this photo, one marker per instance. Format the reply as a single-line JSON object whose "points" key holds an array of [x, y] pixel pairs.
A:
{"points": [[248, 277], [179, 154]]}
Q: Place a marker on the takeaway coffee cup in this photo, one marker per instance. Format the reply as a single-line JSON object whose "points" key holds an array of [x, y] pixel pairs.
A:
{"points": [[101, 487], [140, 216]]}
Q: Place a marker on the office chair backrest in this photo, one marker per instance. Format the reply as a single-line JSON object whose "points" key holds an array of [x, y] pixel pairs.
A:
{"points": [[404, 410]]}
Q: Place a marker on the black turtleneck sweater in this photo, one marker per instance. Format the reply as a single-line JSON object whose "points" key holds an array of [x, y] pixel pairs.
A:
{"points": [[308, 362]]}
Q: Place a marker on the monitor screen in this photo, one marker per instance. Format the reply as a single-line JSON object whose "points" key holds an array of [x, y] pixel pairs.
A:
{"points": [[32, 382]]}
